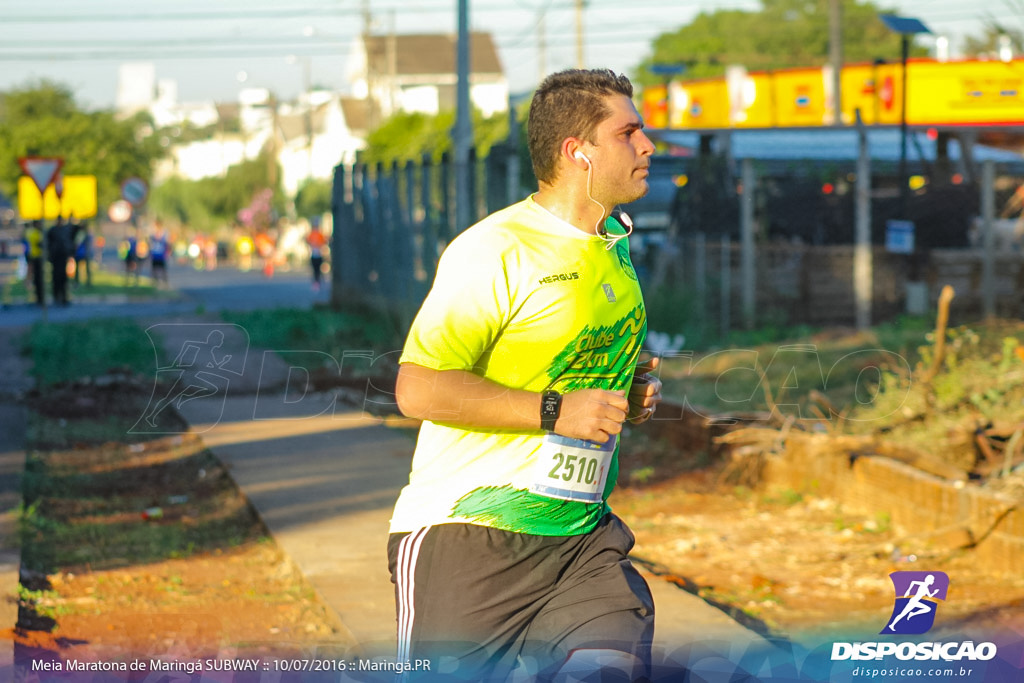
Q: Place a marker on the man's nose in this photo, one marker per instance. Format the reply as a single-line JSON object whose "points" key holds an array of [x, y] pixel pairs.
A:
{"points": [[647, 147]]}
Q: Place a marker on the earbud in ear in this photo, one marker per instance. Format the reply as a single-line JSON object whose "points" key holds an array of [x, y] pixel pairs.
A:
{"points": [[583, 157]]}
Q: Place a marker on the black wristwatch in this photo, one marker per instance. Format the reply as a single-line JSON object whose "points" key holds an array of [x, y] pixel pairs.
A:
{"points": [[550, 407]]}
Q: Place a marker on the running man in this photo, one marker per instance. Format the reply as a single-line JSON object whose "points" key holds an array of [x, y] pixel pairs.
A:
{"points": [[523, 365]]}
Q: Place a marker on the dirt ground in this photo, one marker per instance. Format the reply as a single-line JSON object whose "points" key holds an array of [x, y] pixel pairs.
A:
{"points": [[799, 567], [242, 602], [782, 564], [145, 548]]}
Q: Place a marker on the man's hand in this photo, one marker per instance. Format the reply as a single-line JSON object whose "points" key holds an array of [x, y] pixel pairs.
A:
{"points": [[592, 414], [645, 392]]}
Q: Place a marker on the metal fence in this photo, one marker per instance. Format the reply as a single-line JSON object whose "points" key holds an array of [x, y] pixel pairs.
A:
{"points": [[745, 246], [391, 223]]}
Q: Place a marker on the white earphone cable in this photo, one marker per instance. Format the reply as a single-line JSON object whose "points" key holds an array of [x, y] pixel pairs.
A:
{"points": [[599, 228]]}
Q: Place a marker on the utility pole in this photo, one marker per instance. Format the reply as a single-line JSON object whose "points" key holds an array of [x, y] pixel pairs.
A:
{"points": [[904, 182], [463, 133], [835, 57], [862, 256], [371, 68], [308, 119], [392, 58], [274, 149], [580, 62], [542, 44]]}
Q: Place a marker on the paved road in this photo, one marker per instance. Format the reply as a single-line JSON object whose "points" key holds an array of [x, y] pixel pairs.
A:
{"points": [[225, 288]]}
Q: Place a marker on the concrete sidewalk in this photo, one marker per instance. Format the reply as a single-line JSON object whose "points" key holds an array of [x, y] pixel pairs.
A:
{"points": [[324, 477]]}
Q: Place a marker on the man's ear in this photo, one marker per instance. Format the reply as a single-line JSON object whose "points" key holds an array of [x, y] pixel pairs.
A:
{"points": [[572, 149]]}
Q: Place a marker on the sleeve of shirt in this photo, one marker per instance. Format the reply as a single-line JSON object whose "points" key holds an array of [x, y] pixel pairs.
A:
{"points": [[466, 308]]}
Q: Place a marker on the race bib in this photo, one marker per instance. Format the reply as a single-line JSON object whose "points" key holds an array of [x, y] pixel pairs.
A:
{"points": [[572, 469]]}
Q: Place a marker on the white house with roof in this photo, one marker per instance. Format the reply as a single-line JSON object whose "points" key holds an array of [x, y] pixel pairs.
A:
{"points": [[310, 137], [417, 73], [316, 135]]}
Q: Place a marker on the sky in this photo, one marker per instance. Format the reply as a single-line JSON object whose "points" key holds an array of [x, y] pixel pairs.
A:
{"points": [[214, 49]]}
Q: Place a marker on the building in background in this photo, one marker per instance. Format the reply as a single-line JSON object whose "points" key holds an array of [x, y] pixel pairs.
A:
{"points": [[308, 137], [417, 73], [136, 87], [314, 136]]}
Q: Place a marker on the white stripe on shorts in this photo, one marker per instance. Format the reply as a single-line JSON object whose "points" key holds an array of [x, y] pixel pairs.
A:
{"points": [[405, 580]]}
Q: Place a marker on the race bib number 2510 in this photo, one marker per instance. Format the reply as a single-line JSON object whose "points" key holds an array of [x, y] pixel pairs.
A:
{"points": [[572, 469]]}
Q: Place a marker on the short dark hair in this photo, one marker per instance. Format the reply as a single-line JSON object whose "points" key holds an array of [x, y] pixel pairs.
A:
{"points": [[569, 103]]}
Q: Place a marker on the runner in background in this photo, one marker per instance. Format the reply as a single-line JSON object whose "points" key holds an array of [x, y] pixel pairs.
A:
{"points": [[83, 252], [128, 252], [34, 239], [317, 244], [159, 249], [265, 249]]}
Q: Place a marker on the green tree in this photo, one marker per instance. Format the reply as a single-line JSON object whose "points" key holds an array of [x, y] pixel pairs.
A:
{"points": [[314, 197], [1009, 26], [784, 34], [212, 204], [408, 136], [995, 32], [44, 120]]}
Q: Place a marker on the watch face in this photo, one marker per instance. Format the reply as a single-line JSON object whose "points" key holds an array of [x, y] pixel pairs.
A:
{"points": [[550, 403]]}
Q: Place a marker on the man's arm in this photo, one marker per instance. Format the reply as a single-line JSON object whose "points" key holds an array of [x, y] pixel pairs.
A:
{"points": [[462, 398]]}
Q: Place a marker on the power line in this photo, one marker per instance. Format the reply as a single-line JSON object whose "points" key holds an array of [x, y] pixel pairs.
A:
{"points": [[299, 12], [247, 48], [319, 40]]}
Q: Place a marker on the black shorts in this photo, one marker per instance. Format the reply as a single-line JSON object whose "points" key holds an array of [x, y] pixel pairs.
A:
{"points": [[495, 600]]}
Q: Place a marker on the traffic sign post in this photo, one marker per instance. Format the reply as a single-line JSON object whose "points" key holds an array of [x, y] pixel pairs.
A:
{"points": [[134, 190]]}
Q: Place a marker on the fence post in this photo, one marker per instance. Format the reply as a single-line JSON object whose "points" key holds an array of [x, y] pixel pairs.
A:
{"points": [[988, 212], [512, 160], [364, 223], [400, 263], [344, 258], [430, 219], [862, 256], [747, 243], [409, 182], [383, 245], [726, 278], [446, 231], [700, 277], [472, 208]]}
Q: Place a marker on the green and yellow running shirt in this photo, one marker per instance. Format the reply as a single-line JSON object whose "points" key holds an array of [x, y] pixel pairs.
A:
{"points": [[530, 302]]}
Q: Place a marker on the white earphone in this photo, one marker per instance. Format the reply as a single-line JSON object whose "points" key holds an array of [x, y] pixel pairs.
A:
{"points": [[599, 228]]}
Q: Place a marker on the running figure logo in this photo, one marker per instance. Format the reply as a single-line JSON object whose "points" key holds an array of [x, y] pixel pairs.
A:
{"points": [[202, 368], [917, 595]]}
